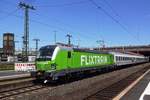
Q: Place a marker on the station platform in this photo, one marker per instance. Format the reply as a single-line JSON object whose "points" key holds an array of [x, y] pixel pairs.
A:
{"points": [[140, 91], [12, 73]]}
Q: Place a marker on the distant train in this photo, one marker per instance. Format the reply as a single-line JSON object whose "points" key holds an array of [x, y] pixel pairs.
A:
{"points": [[55, 61]]}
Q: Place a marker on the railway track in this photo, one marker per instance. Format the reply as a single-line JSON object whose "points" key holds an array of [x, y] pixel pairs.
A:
{"points": [[18, 91], [87, 88], [113, 90], [102, 87], [16, 81], [17, 84]]}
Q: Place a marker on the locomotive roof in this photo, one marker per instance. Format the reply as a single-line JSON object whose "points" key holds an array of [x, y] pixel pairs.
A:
{"points": [[48, 46], [90, 51], [75, 49]]}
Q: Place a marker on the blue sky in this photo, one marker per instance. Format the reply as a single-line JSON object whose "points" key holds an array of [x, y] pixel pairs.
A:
{"points": [[81, 19]]}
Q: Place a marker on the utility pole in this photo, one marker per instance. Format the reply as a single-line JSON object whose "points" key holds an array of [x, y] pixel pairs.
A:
{"points": [[78, 42], [26, 7], [101, 43], [69, 39], [14, 58], [55, 36], [15, 45], [23, 49], [36, 42]]}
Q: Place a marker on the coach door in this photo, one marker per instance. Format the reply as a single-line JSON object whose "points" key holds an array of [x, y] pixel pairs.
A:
{"points": [[69, 59]]}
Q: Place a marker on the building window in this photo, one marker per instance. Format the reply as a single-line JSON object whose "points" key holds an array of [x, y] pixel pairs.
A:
{"points": [[5, 43], [11, 43], [11, 38], [5, 37]]}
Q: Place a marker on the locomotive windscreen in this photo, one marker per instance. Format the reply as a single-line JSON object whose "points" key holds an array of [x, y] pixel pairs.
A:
{"points": [[45, 53]]}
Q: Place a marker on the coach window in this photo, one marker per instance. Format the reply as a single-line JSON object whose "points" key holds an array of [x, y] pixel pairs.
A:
{"points": [[119, 58], [69, 54], [116, 58]]}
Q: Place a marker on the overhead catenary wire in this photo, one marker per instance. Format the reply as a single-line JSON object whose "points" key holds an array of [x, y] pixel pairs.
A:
{"points": [[63, 29], [109, 15], [85, 37], [66, 29], [9, 14], [43, 24], [56, 27], [116, 14], [113, 10], [33, 20]]}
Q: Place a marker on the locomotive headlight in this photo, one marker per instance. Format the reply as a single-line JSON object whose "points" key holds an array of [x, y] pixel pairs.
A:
{"points": [[53, 66]]}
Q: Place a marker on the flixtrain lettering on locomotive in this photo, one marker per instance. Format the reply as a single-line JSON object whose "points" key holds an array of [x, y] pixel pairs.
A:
{"points": [[54, 61]]}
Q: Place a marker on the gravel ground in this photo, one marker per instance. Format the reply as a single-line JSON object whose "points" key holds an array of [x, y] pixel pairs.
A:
{"points": [[79, 90]]}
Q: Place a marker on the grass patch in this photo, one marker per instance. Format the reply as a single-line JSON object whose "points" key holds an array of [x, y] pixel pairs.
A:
{"points": [[6, 67]]}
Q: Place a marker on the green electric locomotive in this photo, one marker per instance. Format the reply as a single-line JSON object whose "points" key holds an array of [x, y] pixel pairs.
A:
{"points": [[54, 61]]}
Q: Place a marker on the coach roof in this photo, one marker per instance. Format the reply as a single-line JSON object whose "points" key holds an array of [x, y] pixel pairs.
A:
{"points": [[89, 51]]}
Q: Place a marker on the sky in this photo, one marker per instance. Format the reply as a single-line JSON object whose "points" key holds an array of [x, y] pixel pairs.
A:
{"points": [[117, 22]]}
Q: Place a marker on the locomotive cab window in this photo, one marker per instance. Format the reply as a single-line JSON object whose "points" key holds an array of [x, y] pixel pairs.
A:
{"points": [[69, 54], [45, 53]]}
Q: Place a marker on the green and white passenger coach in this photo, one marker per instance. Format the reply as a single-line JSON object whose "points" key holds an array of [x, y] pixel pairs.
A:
{"points": [[54, 61]]}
